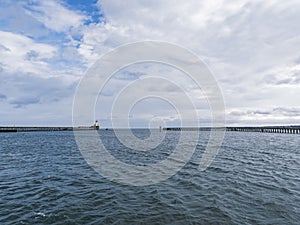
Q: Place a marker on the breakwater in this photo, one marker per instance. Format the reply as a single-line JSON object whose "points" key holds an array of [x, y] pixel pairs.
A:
{"points": [[262, 129], [33, 129]]}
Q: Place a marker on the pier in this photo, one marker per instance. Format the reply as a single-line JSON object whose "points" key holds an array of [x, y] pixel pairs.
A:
{"points": [[262, 129], [34, 129], [267, 129]]}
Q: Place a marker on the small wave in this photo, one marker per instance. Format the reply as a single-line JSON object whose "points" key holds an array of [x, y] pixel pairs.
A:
{"points": [[39, 214]]}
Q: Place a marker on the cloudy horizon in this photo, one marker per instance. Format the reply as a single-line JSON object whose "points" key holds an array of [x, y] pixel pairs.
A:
{"points": [[251, 48]]}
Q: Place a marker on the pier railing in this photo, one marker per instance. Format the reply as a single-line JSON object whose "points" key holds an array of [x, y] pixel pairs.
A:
{"points": [[271, 129]]}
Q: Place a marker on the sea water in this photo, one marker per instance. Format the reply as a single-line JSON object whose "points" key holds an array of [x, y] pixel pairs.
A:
{"points": [[255, 179]]}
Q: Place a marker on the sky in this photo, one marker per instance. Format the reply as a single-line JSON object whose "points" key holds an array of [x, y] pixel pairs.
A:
{"points": [[251, 47]]}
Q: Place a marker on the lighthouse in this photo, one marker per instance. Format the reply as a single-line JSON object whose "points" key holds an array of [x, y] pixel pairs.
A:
{"points": [[96, 125]]}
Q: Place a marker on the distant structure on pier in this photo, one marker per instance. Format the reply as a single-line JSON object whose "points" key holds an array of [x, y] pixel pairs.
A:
{"points": [[97, 127]]}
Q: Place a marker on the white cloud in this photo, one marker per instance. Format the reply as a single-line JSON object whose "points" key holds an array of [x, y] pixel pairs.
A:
{"points": [[265, 116], [288, 75], [247, 34], [39, 69], [19, 53], [55, 16], [240, 40]]}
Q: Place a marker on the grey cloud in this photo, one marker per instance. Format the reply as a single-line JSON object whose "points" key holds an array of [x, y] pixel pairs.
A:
{"points": [[292, 79], [31, 55], [106, 93], [284, 81], [23, 101], [249, 112], [51, 89], [258, 112], [281, 111], [128, 75], [297, 61], [287, 111], [163, 88], [237, 113], [269, 79], [4, 48], [2, 97]]}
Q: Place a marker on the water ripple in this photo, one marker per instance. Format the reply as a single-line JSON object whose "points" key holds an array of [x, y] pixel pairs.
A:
{"points": [[254, 180]]}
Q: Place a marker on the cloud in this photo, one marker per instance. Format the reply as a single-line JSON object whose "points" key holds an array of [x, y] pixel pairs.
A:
{"points": [[266, 114], [45, 47], [184, 23], [55, 16], [2, 97], [39, 62], [162, 14], [288, 75], [19, 53], [23, 101], [20, 22], [47, 89], [241, 41], [290, 112], [129, 75]]}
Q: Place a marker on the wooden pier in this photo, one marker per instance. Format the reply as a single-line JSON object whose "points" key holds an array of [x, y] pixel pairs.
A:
{"points": [[268, 129], [262, 129]]}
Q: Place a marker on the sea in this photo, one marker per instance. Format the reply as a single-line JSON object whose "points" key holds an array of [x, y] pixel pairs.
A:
{"points": [[254, 179]]}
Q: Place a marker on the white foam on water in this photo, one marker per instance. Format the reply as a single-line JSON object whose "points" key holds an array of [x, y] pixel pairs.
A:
{"points": [[40, 214]]}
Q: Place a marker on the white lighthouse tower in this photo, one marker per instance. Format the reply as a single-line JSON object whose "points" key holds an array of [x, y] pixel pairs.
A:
{"points": [[97, 125]]}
